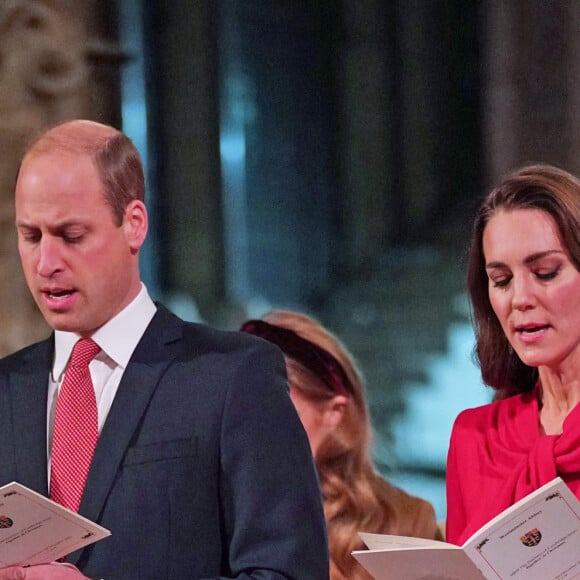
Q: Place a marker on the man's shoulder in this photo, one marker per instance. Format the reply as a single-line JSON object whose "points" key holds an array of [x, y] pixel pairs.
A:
{"points": [[37, 353], [226, 339], [205, 337]]}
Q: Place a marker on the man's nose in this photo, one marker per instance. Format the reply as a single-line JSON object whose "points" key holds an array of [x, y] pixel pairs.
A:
{"points": [[50, 259]]}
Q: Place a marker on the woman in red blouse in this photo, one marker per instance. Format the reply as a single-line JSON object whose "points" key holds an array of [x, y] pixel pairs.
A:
{"points": [[524, 286]]}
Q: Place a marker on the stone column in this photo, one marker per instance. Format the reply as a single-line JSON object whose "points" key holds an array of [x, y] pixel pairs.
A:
{"points": [[47, 59], [530, 74], [186, 125], [365, 81]]}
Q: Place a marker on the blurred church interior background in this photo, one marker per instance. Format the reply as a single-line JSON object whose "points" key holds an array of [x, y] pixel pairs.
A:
{"points": [[323, 156]]}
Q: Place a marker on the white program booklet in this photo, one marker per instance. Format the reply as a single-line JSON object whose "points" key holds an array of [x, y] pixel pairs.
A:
{"points": [[537, 538], [36, 530]]}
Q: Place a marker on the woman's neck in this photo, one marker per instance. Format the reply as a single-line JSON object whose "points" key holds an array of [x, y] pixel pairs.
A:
{"points": [[558, 395]]}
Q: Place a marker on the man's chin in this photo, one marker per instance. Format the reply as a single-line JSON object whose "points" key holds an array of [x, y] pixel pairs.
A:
{"points": [[60, 320]]}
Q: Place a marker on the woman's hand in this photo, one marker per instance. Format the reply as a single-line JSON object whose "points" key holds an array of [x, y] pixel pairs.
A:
{"points": [[52, 571]]}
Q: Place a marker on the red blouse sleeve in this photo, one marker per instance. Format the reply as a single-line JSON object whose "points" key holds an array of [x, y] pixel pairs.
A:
{"points": [[456, 516]]}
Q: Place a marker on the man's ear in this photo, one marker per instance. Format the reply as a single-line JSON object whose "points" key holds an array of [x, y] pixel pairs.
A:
{"points": [[334, 411], [136, 224]]}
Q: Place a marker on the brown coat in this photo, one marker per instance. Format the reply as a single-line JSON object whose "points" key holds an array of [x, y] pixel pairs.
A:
{"points": [[414, 517]]}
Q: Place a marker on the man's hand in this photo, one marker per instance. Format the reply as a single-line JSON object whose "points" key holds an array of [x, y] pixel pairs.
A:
{"points": [[52, 571]]}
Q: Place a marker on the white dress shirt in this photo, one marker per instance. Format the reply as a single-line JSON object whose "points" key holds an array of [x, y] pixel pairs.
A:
{"points": [[118, 339]]}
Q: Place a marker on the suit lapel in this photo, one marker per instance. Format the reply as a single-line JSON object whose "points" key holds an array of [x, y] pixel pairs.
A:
{"points": [[28, 391], [152, 356]]}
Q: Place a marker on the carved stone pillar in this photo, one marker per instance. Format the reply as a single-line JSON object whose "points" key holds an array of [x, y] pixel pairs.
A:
{"points": [[530, 76], [47, 63], [365, 83]]}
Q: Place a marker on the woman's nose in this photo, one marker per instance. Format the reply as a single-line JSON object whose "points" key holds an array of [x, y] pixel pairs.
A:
{"points": [[523, 296]]}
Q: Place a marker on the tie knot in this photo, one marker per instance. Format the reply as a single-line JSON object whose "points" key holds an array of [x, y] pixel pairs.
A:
{"points": [[84, 351]]}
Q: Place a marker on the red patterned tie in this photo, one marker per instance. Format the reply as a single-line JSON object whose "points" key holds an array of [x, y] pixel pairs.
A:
{"points": [[76, 428]]}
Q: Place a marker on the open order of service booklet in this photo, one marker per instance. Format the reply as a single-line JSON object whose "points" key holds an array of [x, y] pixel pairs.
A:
{"points": [[537, 538], [36, 530]]}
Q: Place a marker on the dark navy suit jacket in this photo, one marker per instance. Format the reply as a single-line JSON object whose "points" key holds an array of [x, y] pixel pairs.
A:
{"points": [[202, 469]]}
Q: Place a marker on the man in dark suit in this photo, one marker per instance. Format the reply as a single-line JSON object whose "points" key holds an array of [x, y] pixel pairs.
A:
{"points": [[202, 468]]}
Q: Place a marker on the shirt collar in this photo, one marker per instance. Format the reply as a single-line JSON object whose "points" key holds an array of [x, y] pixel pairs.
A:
{"points": [[117, 338]]}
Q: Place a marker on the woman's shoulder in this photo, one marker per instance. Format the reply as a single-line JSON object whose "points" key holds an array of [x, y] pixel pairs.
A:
{"points": [[484, 415], [476, 414], [492, 426]]}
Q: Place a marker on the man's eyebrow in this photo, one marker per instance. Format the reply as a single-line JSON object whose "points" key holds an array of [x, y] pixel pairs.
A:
{"points": [[55, 227], [23, 224]]}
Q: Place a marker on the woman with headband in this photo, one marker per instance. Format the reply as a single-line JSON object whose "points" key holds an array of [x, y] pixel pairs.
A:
{"points": [[328, 393]]}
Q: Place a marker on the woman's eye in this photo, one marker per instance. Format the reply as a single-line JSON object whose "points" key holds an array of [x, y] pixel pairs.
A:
{"points": [[501, 282], [548, 275]]}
